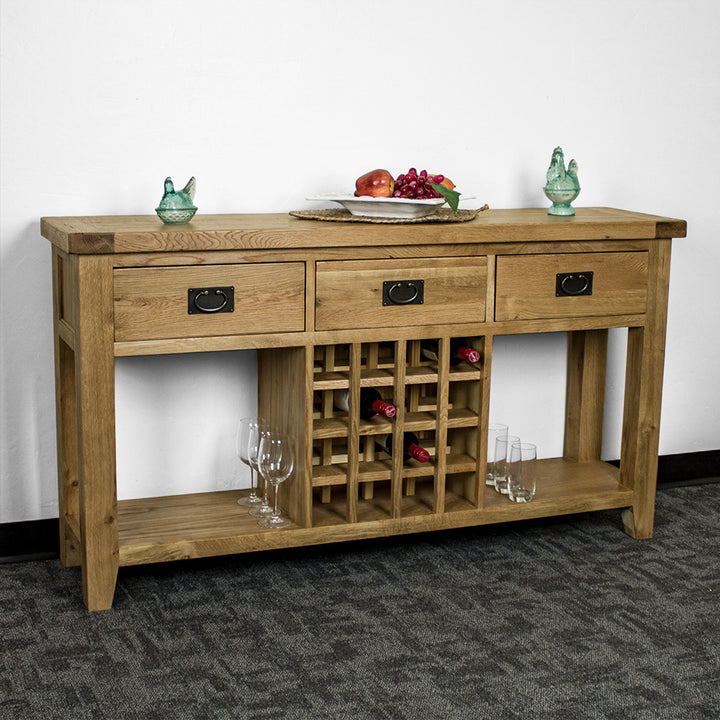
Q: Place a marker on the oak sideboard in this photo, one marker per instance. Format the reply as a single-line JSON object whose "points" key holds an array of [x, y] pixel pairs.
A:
{"points": [[339, 306]]}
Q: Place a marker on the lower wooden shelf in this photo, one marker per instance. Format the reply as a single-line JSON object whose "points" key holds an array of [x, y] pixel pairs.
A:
{"points": [[207, 524]]}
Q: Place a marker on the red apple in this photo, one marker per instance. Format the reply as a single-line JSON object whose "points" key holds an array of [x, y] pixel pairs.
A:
{"points": [[376, 183]]}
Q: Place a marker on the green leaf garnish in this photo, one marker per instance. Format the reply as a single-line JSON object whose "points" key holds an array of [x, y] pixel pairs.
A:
{"points": [[452, 197]]}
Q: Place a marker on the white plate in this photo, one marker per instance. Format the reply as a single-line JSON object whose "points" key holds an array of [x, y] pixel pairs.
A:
{"points": [[365, 206]]}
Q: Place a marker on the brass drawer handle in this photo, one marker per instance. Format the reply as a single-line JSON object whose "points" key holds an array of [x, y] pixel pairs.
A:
{"points": [[211, 300]]}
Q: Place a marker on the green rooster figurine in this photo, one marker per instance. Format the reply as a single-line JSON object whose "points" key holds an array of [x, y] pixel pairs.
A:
{"points": [[562, 185], [177, 207]]}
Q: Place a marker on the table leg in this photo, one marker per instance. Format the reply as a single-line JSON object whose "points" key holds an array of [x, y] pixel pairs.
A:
{"points": [[585, 399], [643, 398], [95, 393]]}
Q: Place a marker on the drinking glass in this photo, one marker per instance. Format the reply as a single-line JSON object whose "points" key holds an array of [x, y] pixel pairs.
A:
{"points": [[522, 472], [246, 443], [502, 452], [276, 460], [263, 509], [495, 430]]}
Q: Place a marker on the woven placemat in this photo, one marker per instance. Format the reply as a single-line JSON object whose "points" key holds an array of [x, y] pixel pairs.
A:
{"points": [[443, 215]]}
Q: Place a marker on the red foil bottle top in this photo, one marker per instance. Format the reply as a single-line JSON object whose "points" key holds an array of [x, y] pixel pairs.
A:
{"points": [[384, 408], [419, 453], [469, 354]]}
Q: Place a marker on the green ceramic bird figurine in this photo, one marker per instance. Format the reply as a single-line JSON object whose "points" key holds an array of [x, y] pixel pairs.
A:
{"points": [[562, 185], [177, 207]]}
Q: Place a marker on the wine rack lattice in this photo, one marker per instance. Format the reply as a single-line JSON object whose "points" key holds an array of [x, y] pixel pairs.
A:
{"points": [[438, 400]]}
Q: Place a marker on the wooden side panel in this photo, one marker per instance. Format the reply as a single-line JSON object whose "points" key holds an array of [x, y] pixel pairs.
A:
{"points": [[67, 454], [526, 285], [282, 400], [64, 316], [487, 361], [349, 294]]}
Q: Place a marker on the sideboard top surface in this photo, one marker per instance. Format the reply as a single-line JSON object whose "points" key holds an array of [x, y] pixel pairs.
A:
{"points": [[146, 233]]}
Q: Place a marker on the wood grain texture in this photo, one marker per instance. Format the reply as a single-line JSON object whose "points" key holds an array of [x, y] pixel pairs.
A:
{"points": [[349, 294], [208, 524], [146, 233], [282, 403], [456, 329], [441, 423], [66, 405], [643, 398], [353, 437], [526, 285], [400, 394], [152, 303], [585, 394], [95, 404]]}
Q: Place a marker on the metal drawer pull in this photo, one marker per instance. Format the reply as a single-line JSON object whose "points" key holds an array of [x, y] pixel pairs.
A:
{"points": [[569, 284], [403, 292], [211, 300]]}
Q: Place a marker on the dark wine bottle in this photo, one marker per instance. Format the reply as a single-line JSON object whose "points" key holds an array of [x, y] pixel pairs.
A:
{"points": [[371, 403], [459, 350], [411, 446]]}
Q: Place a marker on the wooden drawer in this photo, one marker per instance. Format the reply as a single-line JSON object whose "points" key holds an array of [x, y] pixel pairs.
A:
{"points": [[152, 303], [526, 285], [349, 294]]}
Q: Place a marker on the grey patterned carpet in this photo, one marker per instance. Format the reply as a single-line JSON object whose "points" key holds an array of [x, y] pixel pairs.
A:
{"points": [[565, 619]]}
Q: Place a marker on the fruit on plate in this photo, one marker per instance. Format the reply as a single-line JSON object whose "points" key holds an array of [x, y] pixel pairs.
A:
{"points": [[412, 185], [419, 185], [376, 183], [422, 185]]}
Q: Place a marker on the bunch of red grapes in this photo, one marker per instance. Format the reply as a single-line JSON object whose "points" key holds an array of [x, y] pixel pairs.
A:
{"points": [[416, 186]]}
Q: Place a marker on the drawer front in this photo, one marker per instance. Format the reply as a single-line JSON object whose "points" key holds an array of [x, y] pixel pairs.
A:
{"points": [[363, 293], [528, 287], [152, 303]]}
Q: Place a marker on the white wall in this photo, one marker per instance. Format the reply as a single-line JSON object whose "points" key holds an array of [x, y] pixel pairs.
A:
{"points": [[268, 102]]}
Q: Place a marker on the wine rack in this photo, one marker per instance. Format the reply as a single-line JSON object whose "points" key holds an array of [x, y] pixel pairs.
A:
{"points": [[438, 401]]}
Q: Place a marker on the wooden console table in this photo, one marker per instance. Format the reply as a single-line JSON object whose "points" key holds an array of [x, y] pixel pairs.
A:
{"points": [[308, 295]]}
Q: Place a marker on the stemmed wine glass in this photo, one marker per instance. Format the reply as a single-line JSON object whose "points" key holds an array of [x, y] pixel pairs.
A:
{"points": [[262, 508], [246, 445], [276, 461]]}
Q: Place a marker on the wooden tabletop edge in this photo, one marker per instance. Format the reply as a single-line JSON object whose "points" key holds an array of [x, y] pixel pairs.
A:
{"points": [[121, 233]]}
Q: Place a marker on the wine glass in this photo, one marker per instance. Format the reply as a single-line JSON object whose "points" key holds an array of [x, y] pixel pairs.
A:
{"points": [[276, 460], [262, 508], [246, 444]]}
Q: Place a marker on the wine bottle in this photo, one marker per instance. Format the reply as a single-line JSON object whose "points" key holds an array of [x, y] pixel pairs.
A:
{"points": [[459, 350], [411, 446], [371, 403]]}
